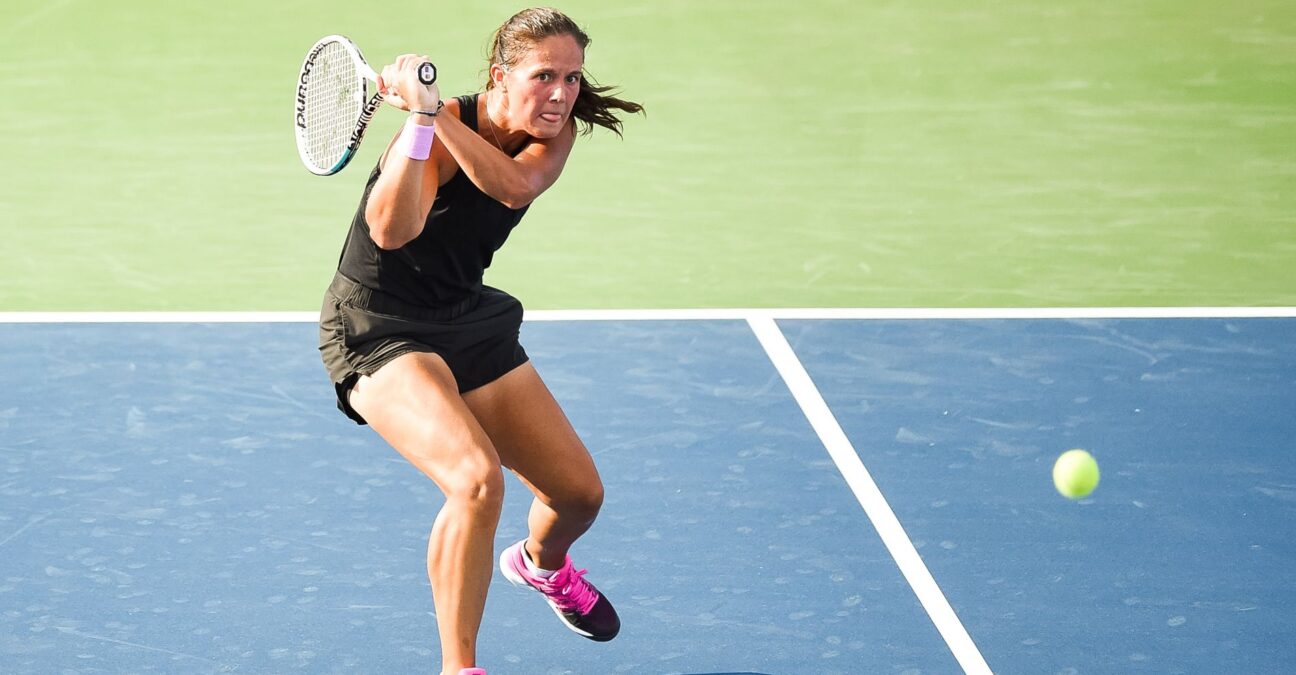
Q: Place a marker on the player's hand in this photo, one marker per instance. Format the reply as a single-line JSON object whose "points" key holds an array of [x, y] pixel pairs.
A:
{"points": [[400, 85]]}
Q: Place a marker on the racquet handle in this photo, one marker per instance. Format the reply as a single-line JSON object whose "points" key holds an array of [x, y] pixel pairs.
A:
{"points": [[427, 72]]}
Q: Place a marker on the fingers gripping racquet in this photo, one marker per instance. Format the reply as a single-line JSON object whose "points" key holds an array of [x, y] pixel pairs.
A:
{"points": [[334, 105]]}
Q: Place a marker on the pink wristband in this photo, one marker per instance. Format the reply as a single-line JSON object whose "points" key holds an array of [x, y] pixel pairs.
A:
{"points": [[415, 140]]}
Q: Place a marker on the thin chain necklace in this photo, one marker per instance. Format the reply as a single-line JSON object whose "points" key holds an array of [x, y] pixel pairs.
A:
{"points": [[491, 124]]}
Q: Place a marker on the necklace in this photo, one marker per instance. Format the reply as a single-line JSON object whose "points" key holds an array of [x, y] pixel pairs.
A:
{"points": [[491, 124]]}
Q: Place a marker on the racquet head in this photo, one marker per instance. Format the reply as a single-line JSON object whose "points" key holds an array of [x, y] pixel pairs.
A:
{"points": [[333, 105]]}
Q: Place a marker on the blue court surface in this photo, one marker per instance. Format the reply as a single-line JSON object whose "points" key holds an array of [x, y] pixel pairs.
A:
{"points": [[183, 497]]}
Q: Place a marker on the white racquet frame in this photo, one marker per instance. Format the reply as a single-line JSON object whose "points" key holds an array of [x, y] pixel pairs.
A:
{"points": [[368, 105]]}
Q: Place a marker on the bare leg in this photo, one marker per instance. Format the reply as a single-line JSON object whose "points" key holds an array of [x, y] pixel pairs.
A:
{"points": [[534, 438], [414, 404]]}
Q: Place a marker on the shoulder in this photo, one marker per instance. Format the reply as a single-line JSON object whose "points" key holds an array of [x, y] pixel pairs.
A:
{"points": [[445, 165], [452, 106]]}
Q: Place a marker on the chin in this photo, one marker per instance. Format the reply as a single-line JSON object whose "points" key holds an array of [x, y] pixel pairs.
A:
{"points": [[546, 131], [543, 129]]}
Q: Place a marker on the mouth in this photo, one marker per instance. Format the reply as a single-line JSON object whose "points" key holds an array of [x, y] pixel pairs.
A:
{"points": [[551, 117]]}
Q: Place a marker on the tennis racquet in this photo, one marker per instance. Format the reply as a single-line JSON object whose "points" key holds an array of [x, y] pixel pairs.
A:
{"points": [[334, 105]]}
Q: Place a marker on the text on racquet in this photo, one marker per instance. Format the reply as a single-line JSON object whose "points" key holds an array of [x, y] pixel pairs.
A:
{"points": [[334, 105]]}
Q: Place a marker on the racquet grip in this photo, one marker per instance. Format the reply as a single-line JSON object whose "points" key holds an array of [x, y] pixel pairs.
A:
{"points": [[427, 72]]}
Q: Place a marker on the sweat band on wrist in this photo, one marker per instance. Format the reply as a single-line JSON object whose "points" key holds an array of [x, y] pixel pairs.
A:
{"points": [[415, 140]]}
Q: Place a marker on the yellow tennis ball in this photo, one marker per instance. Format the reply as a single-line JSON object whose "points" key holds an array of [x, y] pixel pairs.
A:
{"points": [[1075, 474]]}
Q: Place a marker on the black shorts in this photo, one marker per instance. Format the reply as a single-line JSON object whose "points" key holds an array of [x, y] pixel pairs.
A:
{"points": [[362, 330]]}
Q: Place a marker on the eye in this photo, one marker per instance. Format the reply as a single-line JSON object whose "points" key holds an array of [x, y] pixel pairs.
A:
{"points": [[544, 77], [573, 79]]}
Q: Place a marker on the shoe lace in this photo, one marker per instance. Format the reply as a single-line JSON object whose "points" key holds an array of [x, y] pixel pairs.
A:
{"points": [[569, 591]]}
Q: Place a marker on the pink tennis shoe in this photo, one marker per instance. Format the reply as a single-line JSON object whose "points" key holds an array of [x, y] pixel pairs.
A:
{"points": [[576, 601]]}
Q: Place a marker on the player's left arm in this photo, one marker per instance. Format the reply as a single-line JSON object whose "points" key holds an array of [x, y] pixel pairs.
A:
{"points": [[513, 181]]}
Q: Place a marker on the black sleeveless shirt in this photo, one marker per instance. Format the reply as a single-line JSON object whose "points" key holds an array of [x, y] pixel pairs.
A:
{"points": [[444, 264]]}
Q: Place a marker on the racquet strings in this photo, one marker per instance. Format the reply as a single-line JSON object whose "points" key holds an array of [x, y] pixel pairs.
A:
{"points": [[332, 105]]}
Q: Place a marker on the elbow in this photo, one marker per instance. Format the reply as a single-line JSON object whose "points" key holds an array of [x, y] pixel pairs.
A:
{"points": [[383, 231], [520, 195], [520, 191]]}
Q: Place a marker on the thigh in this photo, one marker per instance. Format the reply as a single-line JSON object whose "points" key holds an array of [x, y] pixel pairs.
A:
{"points": [[414, 404], [533, 436]]}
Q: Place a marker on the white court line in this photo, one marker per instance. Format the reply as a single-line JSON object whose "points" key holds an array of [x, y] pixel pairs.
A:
{"points": [[698, 314], [911, 313], [870, 497], [157, 318]]}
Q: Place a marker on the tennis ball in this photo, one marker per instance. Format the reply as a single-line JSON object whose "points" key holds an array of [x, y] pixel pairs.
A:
{"points": [[1075, 474]]}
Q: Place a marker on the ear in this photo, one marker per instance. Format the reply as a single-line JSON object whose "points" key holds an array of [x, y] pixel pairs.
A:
{"points": [[497, 74]]}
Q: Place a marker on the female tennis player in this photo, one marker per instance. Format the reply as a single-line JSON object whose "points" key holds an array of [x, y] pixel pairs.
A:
{"points": [[429, 357]]}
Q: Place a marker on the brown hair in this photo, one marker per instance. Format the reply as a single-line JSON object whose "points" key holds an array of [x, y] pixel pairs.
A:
{"points": [[530, 26]]}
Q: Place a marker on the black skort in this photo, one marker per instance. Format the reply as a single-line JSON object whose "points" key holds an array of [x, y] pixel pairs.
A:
{"points": [[362, 330]]}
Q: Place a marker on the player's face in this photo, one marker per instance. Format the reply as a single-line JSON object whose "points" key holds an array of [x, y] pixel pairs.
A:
{"points": [[542, 86]]}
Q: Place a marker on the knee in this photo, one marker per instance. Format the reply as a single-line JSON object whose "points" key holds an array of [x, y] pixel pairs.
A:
{"points": [[476, 483], [582, 504]]}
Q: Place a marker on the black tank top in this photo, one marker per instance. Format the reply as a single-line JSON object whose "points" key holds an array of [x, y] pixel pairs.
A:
{"points": [[444, 264]]}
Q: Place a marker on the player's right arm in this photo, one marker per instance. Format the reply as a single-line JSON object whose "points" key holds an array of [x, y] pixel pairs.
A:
{"points": [[403, 194]]}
